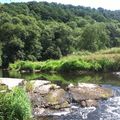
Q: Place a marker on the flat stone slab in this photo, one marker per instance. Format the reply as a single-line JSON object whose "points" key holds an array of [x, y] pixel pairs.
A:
{"points": [[11, 82], [45, 89], [38, 83]]}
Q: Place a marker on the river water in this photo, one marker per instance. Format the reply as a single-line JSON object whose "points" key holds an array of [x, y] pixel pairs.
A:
{"points": [[107, 109]]}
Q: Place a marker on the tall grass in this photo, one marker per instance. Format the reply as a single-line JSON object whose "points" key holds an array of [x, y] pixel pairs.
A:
{"points": [[15, 105], [105, 60]]}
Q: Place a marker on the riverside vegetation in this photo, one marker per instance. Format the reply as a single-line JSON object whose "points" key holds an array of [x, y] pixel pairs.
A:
{"points": [[104, 60]]}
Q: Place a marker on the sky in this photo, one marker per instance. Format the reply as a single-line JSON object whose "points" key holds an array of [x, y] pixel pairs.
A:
{"points": [[107, 4]]}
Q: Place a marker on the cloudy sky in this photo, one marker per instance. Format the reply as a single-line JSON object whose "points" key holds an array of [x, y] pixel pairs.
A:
{"points": [[107, 4]]}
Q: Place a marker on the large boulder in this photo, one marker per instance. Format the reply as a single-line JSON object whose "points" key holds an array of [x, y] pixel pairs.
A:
{"points": [[56, 99], [84, 92]]}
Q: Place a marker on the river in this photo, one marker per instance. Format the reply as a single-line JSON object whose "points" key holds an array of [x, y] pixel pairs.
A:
{"points": [[107, 109]]}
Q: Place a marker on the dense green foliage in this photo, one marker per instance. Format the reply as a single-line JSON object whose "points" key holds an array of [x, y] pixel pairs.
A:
{"points": [[107, 60], [0, 54], [40, 31], [15, 105]]}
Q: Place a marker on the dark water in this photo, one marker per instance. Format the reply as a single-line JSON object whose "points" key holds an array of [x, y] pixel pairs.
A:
{"points": [[107, 110]]}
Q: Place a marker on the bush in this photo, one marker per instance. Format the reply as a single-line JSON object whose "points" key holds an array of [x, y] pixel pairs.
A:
{"points": [[15, 105], [75, 66], [106, 64], [95, 66]]}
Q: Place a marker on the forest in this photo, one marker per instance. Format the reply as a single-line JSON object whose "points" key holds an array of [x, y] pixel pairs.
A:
{"points": [[38, 31]]}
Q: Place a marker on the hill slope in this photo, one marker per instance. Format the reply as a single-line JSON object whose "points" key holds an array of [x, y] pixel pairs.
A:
{"points": [[39, 31]]}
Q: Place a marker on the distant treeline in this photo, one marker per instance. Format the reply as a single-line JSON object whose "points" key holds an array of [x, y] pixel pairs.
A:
{"points": [[40, 31]]}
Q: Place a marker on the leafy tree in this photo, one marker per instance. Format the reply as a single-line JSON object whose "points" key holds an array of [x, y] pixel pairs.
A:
{"points": [[95, 37], [0, 54]]}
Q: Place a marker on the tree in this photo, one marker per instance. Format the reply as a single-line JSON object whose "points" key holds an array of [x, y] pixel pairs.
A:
{"points": [[57, 39], [95, 37], [0, 54]]}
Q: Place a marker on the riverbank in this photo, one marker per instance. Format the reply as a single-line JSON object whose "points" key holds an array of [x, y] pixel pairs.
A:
{"points": [[102, 61]]}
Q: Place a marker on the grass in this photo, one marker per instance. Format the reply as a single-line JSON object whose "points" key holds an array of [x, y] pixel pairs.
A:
{"points": [[15, 105], [104, 60]]}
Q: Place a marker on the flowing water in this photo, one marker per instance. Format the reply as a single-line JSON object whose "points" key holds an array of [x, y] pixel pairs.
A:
{"points": [[107, 109]]}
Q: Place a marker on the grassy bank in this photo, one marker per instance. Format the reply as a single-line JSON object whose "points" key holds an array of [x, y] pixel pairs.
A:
{"points": [[104, 60]]}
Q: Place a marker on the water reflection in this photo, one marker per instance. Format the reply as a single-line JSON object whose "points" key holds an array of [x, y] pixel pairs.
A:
{"points": [[65, 79], [4, 73]]}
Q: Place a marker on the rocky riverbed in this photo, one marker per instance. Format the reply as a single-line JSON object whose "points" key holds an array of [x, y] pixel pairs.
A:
{"points": [[49, 99]]}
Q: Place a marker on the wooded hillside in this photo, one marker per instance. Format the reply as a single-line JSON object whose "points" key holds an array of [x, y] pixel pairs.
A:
{"points": [[40, 31]]}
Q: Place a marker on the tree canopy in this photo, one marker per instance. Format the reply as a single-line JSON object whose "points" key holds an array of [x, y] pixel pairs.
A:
{"points": [[39, 30]]}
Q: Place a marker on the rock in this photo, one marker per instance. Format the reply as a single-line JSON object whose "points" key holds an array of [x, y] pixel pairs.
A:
{"points": [[70, 85], [83, 103], [11, 82], [84, 92], [35, 84], [116, 73], [38, 111], [38, 83], [36, 100], [91, 103], [56, 99], [45, 89]]}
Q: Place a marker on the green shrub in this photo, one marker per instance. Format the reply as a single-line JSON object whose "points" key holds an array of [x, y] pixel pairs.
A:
{"points": [[29, 66], [106, 64], [95, 66], [74, 66], [50, 65], [15, 105]]}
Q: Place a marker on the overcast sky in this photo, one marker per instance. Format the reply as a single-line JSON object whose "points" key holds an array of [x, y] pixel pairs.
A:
{"points": [[107, 4]]}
